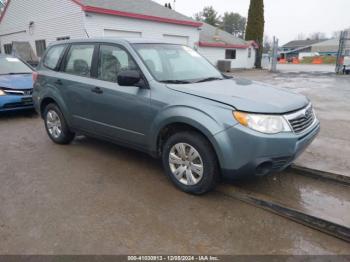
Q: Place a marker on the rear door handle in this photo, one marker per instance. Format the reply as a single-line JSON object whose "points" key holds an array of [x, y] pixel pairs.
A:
{"points": [[97, 90]]}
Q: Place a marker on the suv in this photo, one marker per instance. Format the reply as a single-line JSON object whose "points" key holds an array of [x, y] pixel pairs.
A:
{"points": [[169, 101]]}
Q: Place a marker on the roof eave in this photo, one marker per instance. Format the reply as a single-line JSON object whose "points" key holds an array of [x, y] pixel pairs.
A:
{"points": [[223, 45], [99, 10], [4, 11]]}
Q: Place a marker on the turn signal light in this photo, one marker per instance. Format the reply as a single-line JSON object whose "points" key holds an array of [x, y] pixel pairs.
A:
{"points": [[35, 76]]}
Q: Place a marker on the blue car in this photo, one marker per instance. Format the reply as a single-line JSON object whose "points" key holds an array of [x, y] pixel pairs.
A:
{"points": [[16, 84]]}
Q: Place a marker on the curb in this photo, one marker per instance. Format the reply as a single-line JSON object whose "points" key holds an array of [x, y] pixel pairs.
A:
{"points": [[258, 200], [314, 173]]}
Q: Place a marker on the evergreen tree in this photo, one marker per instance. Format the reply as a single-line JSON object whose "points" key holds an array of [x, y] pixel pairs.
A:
{"points": [[255, 26], [166, 5], [169, 6]]}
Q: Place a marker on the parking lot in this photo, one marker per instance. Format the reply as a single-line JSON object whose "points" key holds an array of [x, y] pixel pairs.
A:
{"points": [[92, 197]]}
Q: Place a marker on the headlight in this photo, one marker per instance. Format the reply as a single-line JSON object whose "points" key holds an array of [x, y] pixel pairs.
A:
{"points": [[269, 124], [2, 93]]}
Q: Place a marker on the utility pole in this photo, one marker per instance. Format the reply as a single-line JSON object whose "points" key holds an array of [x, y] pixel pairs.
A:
{"points": [[274, 55], [344, 37]]}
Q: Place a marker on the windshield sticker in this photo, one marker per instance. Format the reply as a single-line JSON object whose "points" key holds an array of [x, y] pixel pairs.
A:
{"points": [[10, 59], [191, 51]]}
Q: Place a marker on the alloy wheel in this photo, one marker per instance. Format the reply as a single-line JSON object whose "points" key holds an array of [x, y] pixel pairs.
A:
{"points": [[53, 123], [186, 164]]}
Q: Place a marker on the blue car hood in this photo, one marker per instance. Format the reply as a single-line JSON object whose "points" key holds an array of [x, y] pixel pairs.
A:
{"points": [[22, 81], [246, 95]]}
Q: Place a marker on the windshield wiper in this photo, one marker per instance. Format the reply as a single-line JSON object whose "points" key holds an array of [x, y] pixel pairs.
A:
{"points": [[208, 79], [176, 82]]}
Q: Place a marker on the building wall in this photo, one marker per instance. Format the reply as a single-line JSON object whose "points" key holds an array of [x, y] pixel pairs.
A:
{"points": [[51, 19], [214, 54], [100, 25]]}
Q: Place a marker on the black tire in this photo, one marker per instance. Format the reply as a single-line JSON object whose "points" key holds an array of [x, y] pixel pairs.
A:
{"points": [[66, 136], [210, 164]]}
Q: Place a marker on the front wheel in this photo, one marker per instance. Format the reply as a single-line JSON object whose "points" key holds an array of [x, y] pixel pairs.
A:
{"points": [[56, 126], [190, 162]]}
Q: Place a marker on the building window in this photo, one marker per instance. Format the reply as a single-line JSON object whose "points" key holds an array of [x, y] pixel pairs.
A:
{"points": [[40, 46], [62, 38], [8, 48], [230, 54], [249, 53]]}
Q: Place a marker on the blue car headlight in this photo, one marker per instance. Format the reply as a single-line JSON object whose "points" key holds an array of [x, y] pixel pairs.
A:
{"points": [[2, 93]]}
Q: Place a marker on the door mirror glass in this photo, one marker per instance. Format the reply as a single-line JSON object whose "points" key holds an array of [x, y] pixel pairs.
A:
{"points": [[129, 78]]}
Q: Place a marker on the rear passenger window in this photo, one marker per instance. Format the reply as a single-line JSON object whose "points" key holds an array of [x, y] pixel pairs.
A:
{"points": [[79, 60], [53, 56]]}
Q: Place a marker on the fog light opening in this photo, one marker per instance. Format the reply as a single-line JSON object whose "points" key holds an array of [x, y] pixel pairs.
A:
{"points": [[263, 169]]}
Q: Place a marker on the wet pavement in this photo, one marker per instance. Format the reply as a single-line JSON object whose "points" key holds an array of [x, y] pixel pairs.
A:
{"points": [[93, 197], [330, 95], [315, 197]]}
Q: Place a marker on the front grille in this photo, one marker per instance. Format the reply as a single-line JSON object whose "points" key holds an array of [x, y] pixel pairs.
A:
{"points": [[301, 120]]}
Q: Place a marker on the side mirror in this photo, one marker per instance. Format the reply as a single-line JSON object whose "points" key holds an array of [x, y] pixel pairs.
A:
{"points": [[129, 77]]}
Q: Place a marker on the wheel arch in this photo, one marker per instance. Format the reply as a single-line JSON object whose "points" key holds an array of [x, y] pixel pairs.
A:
{"points": [[168, 129]]}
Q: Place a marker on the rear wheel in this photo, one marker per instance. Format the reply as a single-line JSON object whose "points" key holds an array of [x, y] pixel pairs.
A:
{"points": [[190, 162], [56, 126]]}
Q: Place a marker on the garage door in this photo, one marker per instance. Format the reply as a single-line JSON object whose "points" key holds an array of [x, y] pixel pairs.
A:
{"points": [[176, 39], [121, 33]]}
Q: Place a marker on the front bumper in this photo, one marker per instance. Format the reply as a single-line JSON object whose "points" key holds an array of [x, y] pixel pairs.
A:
{"points": [[245, 152], [15, 102]]}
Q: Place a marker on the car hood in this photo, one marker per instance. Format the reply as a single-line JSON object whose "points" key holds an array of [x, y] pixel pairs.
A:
{"points": [[246, 95], [22, 81]]}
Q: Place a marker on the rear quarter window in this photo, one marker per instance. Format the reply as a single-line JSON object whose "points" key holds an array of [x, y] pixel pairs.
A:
{"points": [[53, 56]]}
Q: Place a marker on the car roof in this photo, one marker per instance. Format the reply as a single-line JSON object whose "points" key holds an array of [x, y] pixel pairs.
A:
{"points": [[115, 40]]}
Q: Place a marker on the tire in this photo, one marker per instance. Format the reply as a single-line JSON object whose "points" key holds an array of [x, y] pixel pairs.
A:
{"points": [[57, 131], [190, 177]]}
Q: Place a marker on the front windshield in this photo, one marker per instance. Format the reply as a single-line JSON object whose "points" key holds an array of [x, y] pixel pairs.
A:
{"points": [[12, 65], [176, 63]]}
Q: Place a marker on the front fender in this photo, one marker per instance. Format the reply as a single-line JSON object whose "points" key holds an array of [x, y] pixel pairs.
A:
{"points": [[191, 116]]}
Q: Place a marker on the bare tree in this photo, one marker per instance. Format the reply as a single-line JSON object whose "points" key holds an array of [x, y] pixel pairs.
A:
{"points": [[267, 44], [317, 36], [301, 36]]}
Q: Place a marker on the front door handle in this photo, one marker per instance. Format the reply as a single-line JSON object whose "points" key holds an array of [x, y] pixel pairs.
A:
{"points": [[97, 90]]}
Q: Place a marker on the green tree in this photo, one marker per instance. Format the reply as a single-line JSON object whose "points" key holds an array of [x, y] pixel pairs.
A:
{"points": [[255, 26], [209, 16], [234, 23]]}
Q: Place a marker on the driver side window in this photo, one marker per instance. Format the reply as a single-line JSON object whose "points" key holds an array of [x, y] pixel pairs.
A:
{"points": [[113, 60]]}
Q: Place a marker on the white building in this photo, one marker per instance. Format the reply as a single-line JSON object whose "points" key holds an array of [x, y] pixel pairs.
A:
{"points": [[41, 22], [216, 44]]}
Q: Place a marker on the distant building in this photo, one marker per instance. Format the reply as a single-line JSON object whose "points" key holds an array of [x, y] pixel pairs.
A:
{"points": [[297, 44], [41, 22], [216, 44], [293, 48]]}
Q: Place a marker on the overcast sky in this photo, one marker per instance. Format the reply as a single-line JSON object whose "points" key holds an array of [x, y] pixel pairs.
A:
{"points": [[283, 18]]}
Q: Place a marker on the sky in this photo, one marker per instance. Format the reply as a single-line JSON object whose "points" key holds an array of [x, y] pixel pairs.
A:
{"points": [[284, 19]]}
